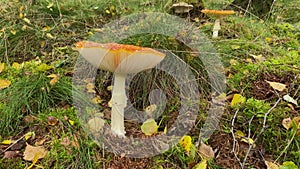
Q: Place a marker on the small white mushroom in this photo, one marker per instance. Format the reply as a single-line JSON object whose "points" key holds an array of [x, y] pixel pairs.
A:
{"points": [[182, 7]]}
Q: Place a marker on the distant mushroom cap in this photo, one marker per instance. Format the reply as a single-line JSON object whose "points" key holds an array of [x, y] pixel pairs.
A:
{"points": [[218, 12], [182, 7], [119, 58]]}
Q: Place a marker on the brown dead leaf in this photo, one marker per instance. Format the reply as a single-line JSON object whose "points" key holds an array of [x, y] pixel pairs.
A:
{"points": [[32, 152], [206, 151], [96, 124], [287, 123], [29, 119], [75, 142], [65, 141], [150, 109], [40, 142], [52, 120], [277, 86], [271, 165], [11, 154]]}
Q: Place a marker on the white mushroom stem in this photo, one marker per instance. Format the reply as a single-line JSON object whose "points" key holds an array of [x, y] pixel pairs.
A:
{"points": [[118, 102], [216, 28]]}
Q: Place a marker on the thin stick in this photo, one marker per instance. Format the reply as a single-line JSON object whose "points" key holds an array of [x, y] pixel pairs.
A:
{"points": [[248, 6], [13, 143], [103, 155], [287, 146], [261, 131], [234, 140]]}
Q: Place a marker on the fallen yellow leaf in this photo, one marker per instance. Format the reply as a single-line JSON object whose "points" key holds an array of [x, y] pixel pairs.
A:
{"points": [[7, 142], [165, 130], [44, 67], [21, 15], [35, 159], [54, 79], [13, 32], [109, 104], [109, 88], [258, 58], [237, 99], [239, 134], [46, 28], [71, 122], [26, 20], [48, 35], [90, 87], [271, 165], [268, 39], [2, 67], [149, 127], [201, 165], [29, 135], [277, 86], [186, 143], [21, 8], [247, 140], [233, 62], [234, 47], [96, 100], [16, 65], [4, 83]]}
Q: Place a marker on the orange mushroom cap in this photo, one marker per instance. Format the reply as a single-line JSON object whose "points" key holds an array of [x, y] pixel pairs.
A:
{"points": [[119, 58], [218, 12]]}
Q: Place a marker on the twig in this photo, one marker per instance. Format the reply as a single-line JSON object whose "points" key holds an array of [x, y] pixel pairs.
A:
{"points": [[272, 9], [261, 131], [248, 6], [103, 155], [297, 90], [234, 140], [13, 143], [287, 146], [58, 7]]}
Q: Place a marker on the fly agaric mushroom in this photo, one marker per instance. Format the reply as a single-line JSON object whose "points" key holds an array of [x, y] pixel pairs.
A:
{"points": [[182, 7], [219, 14], [120, 59]]}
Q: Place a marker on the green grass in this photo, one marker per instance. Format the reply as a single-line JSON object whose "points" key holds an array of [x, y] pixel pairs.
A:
{"points": [[31, 95]]}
